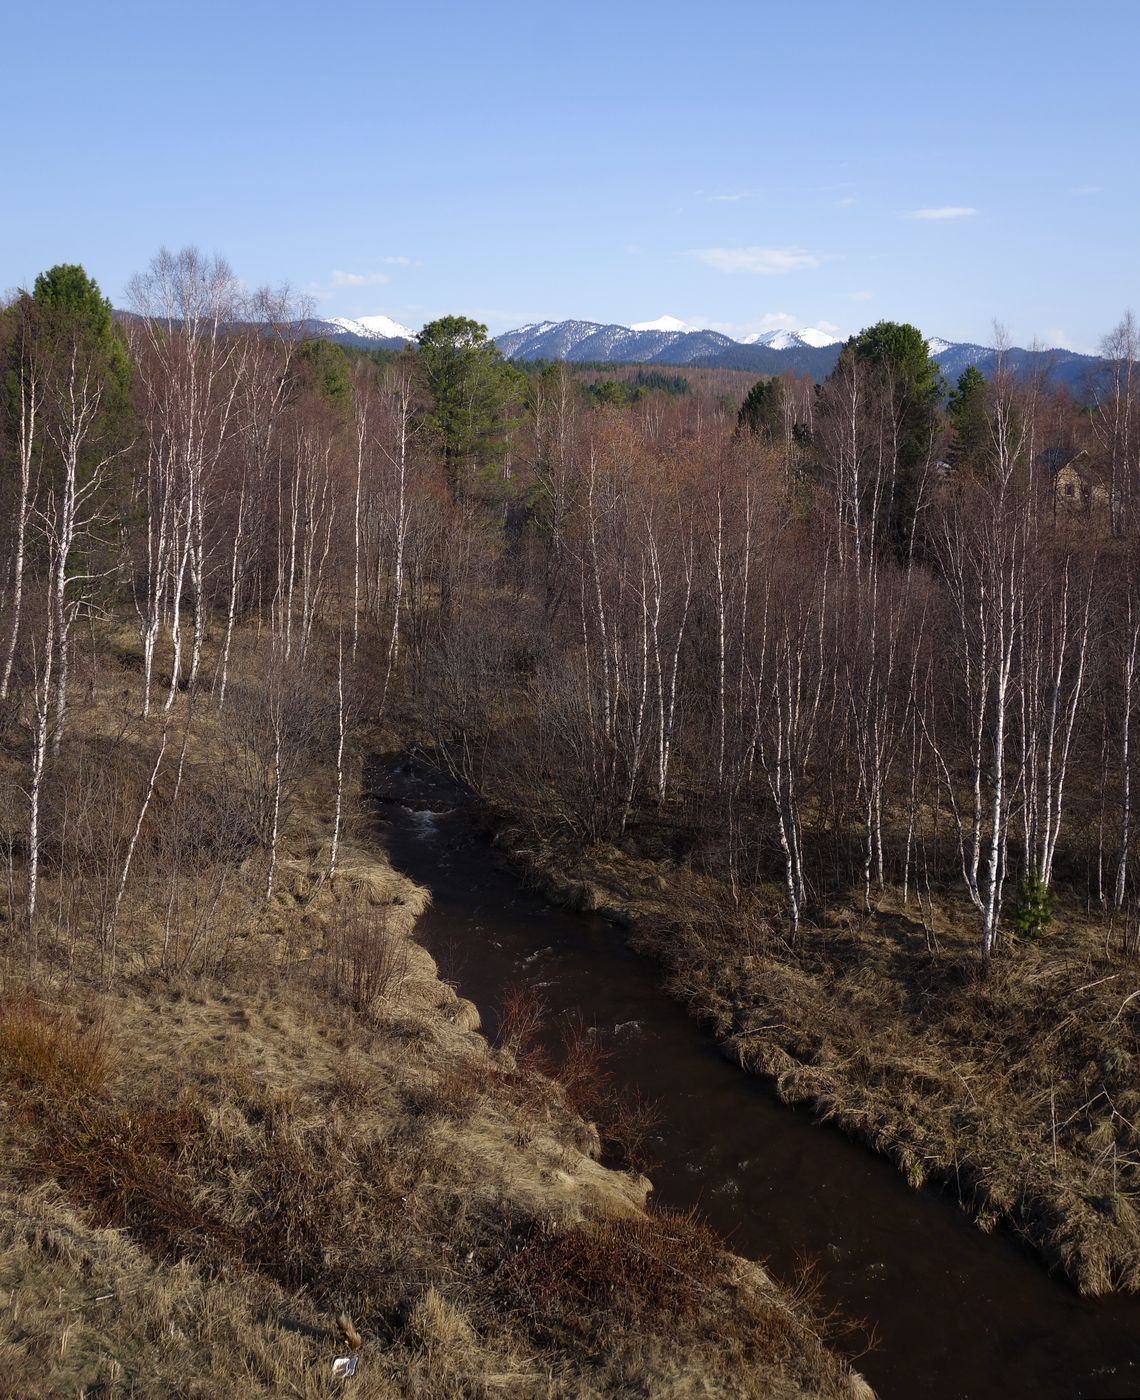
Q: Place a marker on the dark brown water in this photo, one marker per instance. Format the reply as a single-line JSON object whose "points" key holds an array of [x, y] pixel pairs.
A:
{"points": [[956, 1313]]}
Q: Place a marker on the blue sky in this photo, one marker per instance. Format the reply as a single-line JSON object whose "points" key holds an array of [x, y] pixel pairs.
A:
{"points": [[739, 165]]}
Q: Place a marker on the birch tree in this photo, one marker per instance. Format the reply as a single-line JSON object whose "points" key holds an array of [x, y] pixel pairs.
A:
{"points": [[1116, 418], [983, 545], [187, 309]]}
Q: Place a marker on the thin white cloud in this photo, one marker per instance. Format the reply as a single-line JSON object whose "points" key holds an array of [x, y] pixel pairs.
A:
{"points": [[502, 318], [859, 296], [737, 330], [342, 280], [1056, 339], [1087, 189], [358, 279], [771, 321], [726, 198], [845, 203], [945, 211], [766, 262]]}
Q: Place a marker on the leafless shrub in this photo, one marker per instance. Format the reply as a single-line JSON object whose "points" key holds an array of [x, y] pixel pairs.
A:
{"points": [[646, 1270], [580, 1065], [582, 1069], [520, 1021], [365, 962], [276, 730]]}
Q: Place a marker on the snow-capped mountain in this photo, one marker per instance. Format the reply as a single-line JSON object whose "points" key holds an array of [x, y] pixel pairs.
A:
{"points": [[610, 344], [1056, 366], [671, 341], [808, 338], [372, 327], [663, 323]]}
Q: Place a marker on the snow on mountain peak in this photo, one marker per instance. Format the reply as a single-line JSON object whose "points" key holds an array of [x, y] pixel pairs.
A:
{"points": [[935, 345], [816, 338], [374, 327], [791, 340], [663, 323]]}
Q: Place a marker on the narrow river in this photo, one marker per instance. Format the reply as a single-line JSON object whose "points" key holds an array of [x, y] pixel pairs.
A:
{"points": [[956, 1313]]}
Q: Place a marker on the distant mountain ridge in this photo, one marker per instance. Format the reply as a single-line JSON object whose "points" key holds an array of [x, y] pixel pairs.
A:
{"points": [[1060, 367], [670, 341]]}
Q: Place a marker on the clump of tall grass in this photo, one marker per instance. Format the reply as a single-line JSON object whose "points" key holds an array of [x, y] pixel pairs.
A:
{"points": [[48, 1051]]}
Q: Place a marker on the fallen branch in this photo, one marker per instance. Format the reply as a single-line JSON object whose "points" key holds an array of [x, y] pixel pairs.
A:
{"points": [[1123, 1004]]}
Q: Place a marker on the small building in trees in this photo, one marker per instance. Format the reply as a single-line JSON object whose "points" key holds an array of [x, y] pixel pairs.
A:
{"points": [[1076, 484]]}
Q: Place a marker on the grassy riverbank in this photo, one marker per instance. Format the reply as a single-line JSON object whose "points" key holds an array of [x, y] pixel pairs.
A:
{"points": [[274, 1137], [1019, 1090]]}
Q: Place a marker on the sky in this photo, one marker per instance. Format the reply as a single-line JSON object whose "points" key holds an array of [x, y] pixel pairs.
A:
{"points": [[742, 166]]}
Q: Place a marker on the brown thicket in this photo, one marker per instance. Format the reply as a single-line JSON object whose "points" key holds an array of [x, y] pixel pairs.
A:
{"points": [[825, 663]]}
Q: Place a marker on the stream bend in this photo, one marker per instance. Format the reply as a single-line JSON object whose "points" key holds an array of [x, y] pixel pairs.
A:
{"points": [[956, 1313]]}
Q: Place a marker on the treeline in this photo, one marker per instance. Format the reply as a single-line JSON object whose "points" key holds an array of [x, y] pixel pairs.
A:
{"points": [[631, 388], [854, 637]]}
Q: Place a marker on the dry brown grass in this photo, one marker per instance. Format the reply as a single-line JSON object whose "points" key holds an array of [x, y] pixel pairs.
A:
{"points": [[272, 1114], [86, 1311], [661, 1278], [1017, 1088], [256, 1148], [49, 1049]]}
